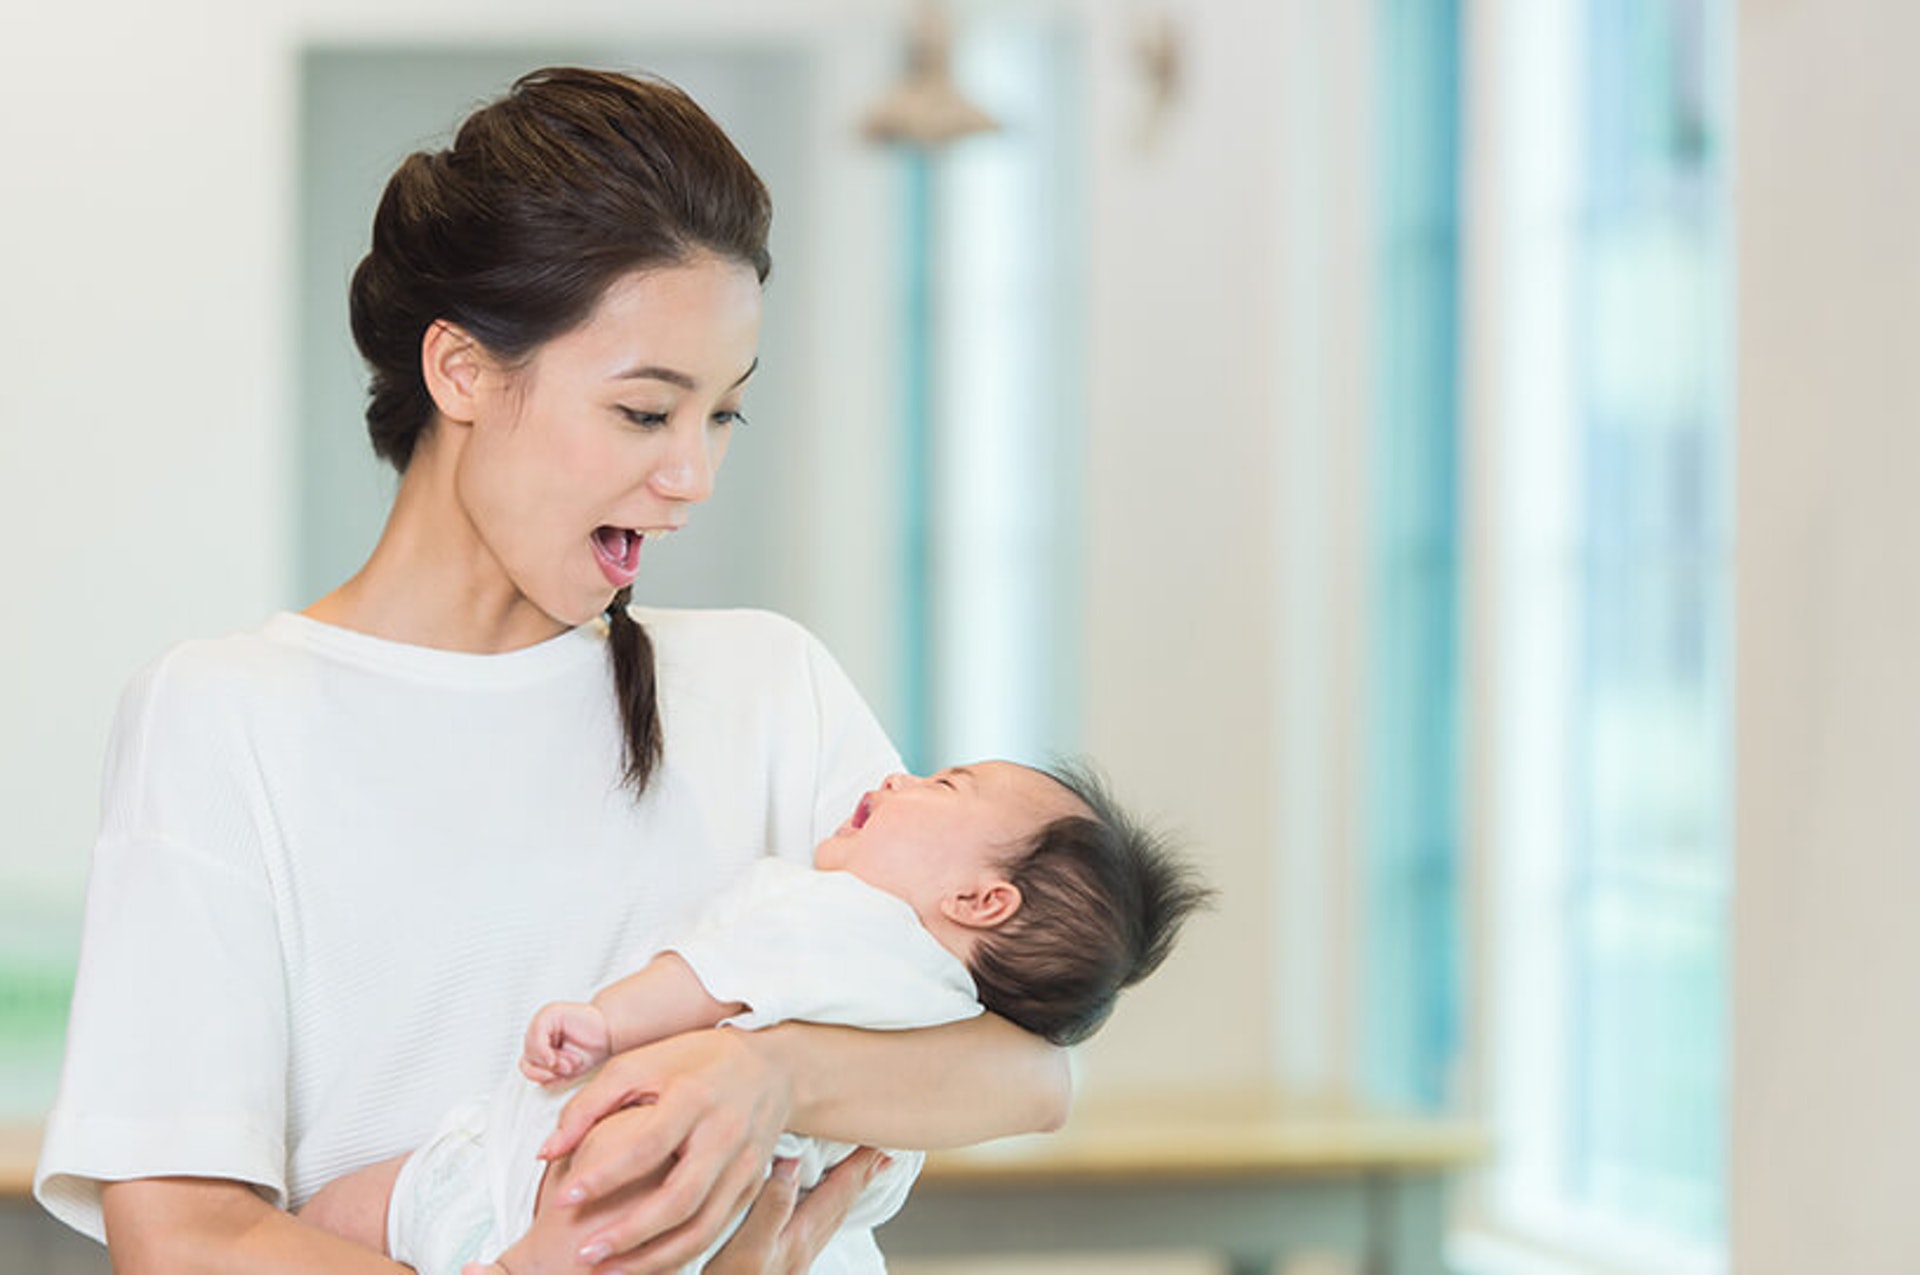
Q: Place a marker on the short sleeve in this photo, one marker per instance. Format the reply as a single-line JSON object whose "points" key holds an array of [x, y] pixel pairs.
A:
{"points": [[853, 753], [796, 944], [176, 1054]]}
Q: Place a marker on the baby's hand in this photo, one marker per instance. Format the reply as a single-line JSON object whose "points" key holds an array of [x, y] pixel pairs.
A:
{"points": [[566, 1039]]}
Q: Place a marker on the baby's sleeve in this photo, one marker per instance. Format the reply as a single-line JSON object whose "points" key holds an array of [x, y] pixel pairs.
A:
{"points": [[176, 1055], [796, 944]]}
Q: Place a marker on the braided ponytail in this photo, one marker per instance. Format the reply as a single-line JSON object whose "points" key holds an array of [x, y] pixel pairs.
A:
{"points": [[633, 683]]}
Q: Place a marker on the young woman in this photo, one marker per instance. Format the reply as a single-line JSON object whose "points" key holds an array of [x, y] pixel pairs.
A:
{"points": [[344, 856]]}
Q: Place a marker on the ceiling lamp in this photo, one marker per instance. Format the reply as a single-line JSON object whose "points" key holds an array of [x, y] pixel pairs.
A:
{"points": [[927, 109]]}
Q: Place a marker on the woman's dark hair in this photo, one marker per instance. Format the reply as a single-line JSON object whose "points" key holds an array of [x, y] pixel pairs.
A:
{"points": [[1102, 898], [548, 196]]}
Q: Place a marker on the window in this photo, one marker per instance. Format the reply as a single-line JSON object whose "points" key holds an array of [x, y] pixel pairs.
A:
{"points": [[1607, 627], [989, 422], [1547, 753], [1413, 719]]}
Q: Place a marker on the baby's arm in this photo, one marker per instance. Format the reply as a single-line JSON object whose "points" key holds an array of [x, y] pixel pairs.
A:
{"points": [[662, 999]]}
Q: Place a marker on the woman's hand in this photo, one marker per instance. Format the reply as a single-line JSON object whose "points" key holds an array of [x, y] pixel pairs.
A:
{"points": [[776, 1238], [694, 1117]]}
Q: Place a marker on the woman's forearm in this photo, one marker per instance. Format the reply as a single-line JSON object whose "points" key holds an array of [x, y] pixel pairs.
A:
{"points": [[936, 1087], [162, 1226]]}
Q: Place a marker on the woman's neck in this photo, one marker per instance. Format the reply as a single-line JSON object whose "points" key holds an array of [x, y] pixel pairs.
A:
{"points": [[431, 580]]}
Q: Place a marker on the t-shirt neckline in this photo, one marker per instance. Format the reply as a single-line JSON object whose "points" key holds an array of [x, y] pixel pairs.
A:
{"points": [[529, 663]]}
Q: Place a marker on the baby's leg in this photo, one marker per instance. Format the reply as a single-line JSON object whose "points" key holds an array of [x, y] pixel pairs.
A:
{"points": [[354, 1207]]}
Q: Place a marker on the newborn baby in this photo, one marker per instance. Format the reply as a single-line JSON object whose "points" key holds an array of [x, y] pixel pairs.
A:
{"points": [[1024, 891]]}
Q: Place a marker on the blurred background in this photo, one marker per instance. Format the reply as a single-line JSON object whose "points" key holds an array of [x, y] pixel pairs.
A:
{"points": [[1448, 459]]}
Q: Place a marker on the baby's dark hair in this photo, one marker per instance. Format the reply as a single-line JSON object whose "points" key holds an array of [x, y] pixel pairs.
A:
{"points": [[1102, 899]]}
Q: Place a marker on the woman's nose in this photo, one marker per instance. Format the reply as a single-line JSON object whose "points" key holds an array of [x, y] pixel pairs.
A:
{"points": [[685, 472]]}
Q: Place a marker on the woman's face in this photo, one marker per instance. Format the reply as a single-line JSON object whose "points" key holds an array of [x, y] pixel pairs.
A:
{"points": [[609, 434]]}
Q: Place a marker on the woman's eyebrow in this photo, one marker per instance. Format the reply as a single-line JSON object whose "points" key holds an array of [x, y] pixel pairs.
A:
{"points": [[654, 372]]}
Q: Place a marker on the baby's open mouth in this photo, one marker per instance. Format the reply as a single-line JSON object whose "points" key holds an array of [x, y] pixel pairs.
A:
{"points": [[861, 811]]}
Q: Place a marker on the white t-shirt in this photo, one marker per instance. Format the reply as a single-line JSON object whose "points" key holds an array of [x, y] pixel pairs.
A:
{"points": [[336, 875]]}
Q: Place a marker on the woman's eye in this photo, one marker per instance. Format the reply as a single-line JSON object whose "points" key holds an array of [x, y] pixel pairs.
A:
{"points": [[735, 417], [645, 420]]}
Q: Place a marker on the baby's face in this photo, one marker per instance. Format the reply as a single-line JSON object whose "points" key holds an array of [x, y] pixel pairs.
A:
{"points": [[927, 839]]}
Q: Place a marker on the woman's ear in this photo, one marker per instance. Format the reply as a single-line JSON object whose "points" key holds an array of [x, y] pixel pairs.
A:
{"points": [[451, 362], [983, 907]]}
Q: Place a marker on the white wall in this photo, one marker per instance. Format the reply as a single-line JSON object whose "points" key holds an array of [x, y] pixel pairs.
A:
{"points": [[1184, 331], [1827, 1044]]}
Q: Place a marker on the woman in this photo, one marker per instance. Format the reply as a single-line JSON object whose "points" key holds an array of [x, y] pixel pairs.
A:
{"points": [[428, 780]]}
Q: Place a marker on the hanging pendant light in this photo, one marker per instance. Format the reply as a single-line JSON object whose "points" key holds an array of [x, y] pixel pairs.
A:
{"points": [[927, 109]]}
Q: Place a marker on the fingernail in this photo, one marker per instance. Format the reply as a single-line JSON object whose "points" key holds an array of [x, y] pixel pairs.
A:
{"points": [[786, 1169], [595, 1252]]}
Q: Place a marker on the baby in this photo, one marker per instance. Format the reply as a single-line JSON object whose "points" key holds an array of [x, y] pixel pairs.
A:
{"points": [[1024, 891]]}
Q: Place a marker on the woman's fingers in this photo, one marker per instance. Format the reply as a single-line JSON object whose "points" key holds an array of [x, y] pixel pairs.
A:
{"points": [[704, 1078], [626, 1146], [713, 1178], [825, 1208], [769, 1214], [665, 1145], [626, 1080], [753, 1248], [777, 1238]]}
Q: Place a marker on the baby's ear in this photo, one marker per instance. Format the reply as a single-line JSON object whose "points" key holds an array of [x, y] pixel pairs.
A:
{"points": [[983, 907]]}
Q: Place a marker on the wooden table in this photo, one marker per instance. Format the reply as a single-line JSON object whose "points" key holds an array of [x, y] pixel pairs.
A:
{"points": [[19, 1150], [1249, 1178]]}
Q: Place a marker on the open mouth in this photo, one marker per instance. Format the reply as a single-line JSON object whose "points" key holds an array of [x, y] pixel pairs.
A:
{"points": [[618, 551], [862, 811]]}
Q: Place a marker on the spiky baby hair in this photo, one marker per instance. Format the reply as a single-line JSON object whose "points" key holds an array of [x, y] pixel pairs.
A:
{"points": [[1103, 897]]}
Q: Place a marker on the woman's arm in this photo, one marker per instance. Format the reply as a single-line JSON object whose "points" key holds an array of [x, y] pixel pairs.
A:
{"points": [[712, 1102], [927, 1089], [159, 1226], [937, 1087]]}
